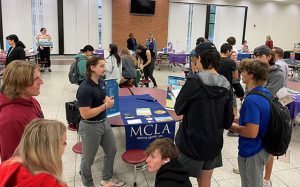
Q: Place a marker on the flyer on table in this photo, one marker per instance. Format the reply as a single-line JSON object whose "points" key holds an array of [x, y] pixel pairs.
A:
{"points": [[174, 86]]}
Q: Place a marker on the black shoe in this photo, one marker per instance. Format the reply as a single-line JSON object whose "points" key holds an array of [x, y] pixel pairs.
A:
{"points": [[49, 70], [42, 70]]}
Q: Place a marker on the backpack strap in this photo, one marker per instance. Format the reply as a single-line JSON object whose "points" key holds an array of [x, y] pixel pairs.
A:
{"points": [[261, 94]]}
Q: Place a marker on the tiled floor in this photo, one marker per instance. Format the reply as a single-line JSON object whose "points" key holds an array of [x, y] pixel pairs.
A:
{"points": [[57, 90]]}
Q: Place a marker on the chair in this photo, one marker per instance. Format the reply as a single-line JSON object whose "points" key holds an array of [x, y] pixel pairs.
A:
{"points": [[134, 157], [144, 82], [77, 149]]}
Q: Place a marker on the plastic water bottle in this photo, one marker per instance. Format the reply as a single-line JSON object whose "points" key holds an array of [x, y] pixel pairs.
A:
{"points": [[292, 57]]}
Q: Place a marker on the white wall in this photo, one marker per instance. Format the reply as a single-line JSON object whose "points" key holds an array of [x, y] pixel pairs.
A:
{"points": [[229, 21], [106, 23], [80, 25], [16, 19], [178, 25], [278, 19]]}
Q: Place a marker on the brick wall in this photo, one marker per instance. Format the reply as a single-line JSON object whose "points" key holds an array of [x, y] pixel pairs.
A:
{"points": [[123, 23]]}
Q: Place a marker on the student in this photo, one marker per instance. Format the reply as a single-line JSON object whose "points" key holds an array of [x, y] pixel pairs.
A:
{"points": [[16, 51], [162, 159], [94, 127], [114, 63], [245, 47], [283, 65], [151, 44], [192, 55], [81, 59], [253, 124], [128, 67], [232, 41], [228, 68], [44, 50], [275, 82], [205, 101], [131, 43], [269, 42], [21, 82], [37, 161], [146, 63]]}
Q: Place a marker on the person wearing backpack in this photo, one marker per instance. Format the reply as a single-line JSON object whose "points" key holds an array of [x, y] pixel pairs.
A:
{"points": [[274, 83], [81, 59], [253, 123]]}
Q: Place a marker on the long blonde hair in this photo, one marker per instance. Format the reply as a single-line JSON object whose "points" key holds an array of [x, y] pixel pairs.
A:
{"points": [[39, 148], [126, 53], [17, 77]]}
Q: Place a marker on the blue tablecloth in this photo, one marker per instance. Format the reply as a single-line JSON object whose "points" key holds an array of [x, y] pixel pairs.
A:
{"points": [[99, 52], [178, 58], [241, 56], [139, 136], [294, 107]]}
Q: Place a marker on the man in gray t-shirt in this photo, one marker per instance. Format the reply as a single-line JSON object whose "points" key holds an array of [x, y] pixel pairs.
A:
{"points": [[283, 65]]}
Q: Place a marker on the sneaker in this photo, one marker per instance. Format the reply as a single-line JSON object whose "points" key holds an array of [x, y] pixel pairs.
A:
{"points": [[49, 70], [232, 134], [113, 181], [236, 170], [267, 183]]}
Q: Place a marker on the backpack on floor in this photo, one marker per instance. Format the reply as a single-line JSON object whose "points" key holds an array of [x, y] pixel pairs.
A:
{"points": [[72, 113], [73, 73], [278, 135]]}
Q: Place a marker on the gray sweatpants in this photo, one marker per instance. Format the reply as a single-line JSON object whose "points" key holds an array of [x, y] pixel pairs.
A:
{"points": [[92, 135], [252, 168]]}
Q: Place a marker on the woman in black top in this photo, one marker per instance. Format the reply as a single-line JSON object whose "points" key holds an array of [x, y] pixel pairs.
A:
{"points": [[16, 51], [147, 63]]}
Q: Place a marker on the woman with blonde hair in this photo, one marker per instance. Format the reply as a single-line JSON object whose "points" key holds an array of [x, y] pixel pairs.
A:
{"points": [[269, 42], [21, 82], [128, 67], [37, 160]]}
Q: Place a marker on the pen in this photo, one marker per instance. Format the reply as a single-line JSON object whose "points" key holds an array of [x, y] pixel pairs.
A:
{"points": [[150, 100]]}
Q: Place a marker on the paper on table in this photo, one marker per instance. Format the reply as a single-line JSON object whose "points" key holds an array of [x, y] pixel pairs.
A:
{"points": [[134, 121], [163, 119], [143, 112], [284, 96]]}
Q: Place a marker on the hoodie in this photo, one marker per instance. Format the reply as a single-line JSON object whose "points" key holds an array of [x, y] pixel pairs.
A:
{"points": [[172, 174], [205, 101], [14, 116], [81, 65], [276, 79], [17, 175], [16, 53]]}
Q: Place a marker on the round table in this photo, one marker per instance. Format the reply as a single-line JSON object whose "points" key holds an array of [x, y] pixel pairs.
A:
{"points": [[158, 94]]}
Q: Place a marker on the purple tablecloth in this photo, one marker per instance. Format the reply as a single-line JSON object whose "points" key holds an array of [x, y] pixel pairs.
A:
{"points": [[294, 107], [177, 58], [100, 52]]}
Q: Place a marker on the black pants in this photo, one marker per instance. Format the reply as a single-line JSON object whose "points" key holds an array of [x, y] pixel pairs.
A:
{"points": [[45, 55], [148, 73]]}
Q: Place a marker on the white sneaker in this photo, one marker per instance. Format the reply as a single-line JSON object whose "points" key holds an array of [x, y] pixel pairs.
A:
{"points": [[267, 183], [113, 181]]}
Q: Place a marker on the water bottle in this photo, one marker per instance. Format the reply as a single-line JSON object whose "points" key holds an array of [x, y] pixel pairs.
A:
{"points": [[292, 57]]}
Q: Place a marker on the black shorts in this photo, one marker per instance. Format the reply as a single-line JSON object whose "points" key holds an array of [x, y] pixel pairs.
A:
{"points": [[195, 166]]}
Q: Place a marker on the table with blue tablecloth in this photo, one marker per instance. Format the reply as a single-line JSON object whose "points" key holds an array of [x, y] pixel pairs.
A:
{"points": [[99, 52], [241, 56], [294, 107], [178, 58], [141, 130]]}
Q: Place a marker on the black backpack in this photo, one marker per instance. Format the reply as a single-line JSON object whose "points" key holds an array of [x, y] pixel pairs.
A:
{"points": [[72, 113], [278, 135]]}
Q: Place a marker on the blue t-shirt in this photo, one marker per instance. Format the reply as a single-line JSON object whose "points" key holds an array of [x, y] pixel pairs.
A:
{"points": [[255, 110]]}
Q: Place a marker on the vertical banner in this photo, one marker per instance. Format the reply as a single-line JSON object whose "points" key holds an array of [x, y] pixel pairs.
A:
{"points": [[112, 90], [174, 86]]}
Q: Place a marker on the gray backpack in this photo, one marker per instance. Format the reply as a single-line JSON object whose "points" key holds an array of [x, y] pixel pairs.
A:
{"points": [[73, 73]]}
